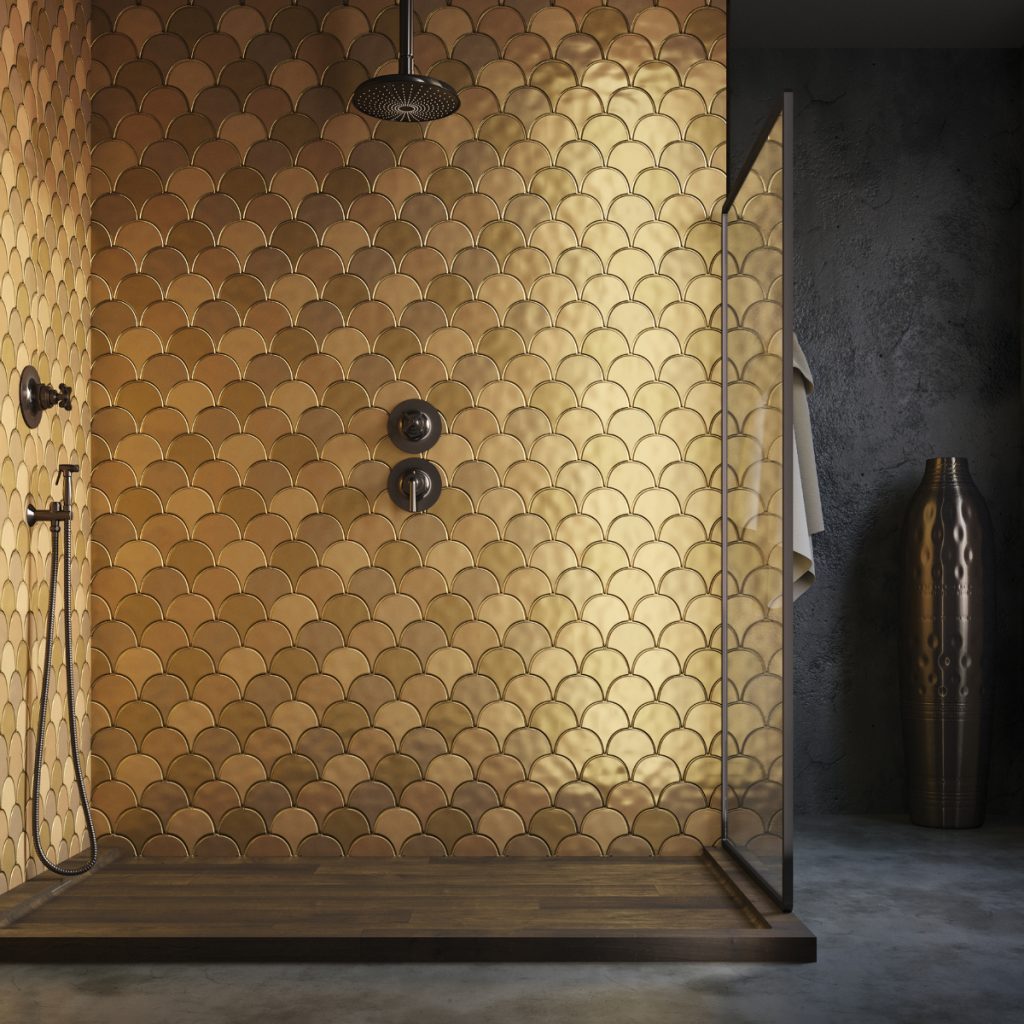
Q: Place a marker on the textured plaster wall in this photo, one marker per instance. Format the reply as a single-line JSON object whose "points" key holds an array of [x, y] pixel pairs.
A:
{"points": [[908, 278]]}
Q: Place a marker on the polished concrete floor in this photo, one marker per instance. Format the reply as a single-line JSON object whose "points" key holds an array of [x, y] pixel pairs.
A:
{"points": [[913, 926]]}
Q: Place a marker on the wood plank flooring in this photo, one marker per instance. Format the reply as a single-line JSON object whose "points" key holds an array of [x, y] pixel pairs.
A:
{"points": [[138, 909]]}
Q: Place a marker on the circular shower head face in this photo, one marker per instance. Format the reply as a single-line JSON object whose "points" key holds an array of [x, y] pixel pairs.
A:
{"points": [[406, 98]]}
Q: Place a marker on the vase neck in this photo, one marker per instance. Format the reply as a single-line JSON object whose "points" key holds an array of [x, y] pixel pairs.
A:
{"points": [[950, 467]]}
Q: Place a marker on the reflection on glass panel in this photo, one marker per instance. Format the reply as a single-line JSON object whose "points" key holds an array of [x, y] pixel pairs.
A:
{"points": [[755, 558]]}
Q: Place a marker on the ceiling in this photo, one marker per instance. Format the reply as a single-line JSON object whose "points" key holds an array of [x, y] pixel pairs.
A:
{"points": [[858, 24]]}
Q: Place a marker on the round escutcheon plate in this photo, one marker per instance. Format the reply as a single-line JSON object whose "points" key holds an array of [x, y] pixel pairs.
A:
{"points": [[28, 396], [414, 425]]}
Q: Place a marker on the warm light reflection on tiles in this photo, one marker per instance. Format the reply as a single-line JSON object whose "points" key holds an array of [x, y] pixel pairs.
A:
{"points": [[286, 662]]}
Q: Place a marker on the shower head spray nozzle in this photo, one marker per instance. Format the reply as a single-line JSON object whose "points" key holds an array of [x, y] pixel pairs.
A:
{"points": [[405, 96]]}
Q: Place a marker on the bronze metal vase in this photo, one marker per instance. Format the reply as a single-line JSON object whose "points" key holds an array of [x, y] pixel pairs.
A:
{"points": [[946, 646]]}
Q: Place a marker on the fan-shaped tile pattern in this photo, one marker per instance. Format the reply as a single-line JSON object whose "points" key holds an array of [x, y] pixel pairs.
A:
{"points": [[44, 268], [288, 664], [754, 553]]}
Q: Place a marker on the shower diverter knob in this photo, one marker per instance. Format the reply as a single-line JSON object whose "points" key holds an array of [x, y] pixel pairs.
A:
{"points": [[414, 425]]}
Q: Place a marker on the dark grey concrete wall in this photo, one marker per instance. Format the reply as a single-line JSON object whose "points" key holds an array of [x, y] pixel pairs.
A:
{"points": [[908, 248]]}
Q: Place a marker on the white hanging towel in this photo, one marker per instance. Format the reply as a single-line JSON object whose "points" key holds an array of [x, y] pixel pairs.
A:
{"points": [[807, 515]]}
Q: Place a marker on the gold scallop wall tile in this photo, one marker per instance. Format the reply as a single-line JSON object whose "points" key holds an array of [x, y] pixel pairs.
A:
{"points": [[45, 217], [501, 675]]}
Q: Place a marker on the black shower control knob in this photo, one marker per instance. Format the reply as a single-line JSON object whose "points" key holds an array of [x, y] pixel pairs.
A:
{"points": [[48, 396], [414, 484], [414, 425], [35, 397]]}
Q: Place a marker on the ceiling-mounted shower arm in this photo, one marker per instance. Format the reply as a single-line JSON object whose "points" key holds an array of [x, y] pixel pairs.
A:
{"points": [[405, 96], [405, 37]]}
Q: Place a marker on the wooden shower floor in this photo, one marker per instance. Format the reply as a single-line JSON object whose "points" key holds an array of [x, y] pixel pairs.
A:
{"points": [[141, 909]]}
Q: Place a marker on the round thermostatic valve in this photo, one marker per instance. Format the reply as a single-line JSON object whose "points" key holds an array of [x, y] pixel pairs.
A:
{"points": [[414, 425]]}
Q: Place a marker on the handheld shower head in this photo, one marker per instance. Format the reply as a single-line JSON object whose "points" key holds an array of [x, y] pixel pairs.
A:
{"points": [[405, 96]]}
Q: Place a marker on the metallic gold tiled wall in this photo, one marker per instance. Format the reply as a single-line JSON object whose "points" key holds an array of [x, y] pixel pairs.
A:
{"points": [[285, 662], [755, 548], [44, 217]]}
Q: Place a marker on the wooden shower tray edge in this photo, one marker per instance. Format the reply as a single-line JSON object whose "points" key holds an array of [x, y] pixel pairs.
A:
{"points": [[699, 909]]}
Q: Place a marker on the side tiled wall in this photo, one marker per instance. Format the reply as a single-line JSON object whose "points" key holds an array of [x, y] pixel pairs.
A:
{"points": [[44, 315]]}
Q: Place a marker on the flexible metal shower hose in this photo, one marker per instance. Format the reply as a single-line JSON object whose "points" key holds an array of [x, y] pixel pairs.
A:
{"points": [[44, 698]]}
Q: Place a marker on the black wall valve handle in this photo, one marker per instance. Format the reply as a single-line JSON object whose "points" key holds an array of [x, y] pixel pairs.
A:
{"points": [[414, 484], [35, 397], [414, 425]]}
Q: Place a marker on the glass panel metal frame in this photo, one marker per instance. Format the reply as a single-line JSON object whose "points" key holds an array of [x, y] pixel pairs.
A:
{"points": [[782, 889]]}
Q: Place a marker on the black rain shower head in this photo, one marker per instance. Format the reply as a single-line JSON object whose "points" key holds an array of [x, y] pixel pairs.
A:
{"points": [[405, 96]]}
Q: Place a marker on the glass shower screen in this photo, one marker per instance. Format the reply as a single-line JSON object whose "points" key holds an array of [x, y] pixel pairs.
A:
{"points": [[757, 454]]}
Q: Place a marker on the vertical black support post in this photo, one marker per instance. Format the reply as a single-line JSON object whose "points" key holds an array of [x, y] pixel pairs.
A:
{"points": [[788, 454], [724, 479]]}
